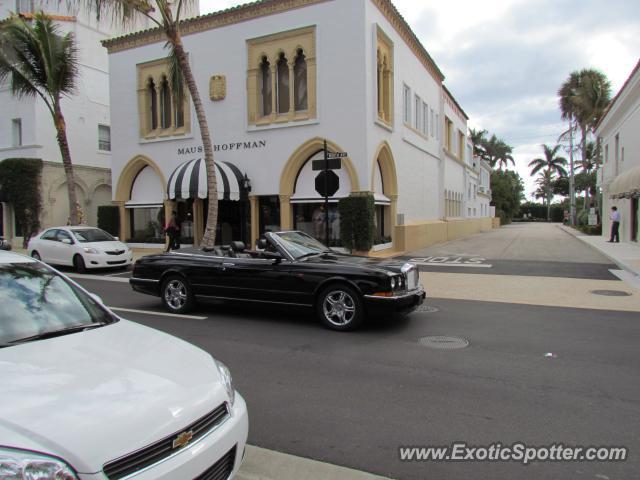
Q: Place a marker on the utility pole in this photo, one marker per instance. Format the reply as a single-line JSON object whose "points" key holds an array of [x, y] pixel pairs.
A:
{"points": [[572, 186]]}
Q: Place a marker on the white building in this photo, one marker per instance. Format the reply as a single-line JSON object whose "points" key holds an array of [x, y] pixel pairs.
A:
{"points": [[27, 130], [291, 75], [619, 174]]}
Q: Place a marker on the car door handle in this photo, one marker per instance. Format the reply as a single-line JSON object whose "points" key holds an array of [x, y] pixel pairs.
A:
{"points": [[226, 265]]}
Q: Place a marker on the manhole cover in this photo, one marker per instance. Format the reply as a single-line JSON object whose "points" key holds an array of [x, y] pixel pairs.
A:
{"points": [[444, 343], [427, 309], [611, 293]]}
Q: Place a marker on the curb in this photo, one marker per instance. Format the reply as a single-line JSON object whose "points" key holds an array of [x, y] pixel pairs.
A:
{"points": [[620, 263], [263, 464]]}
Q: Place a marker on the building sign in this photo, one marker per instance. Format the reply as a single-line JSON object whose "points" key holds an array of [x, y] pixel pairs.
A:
{"points": [[224, 147]]}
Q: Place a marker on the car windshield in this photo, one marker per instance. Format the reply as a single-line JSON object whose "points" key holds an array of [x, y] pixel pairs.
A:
{"points": [[92, 235], [299, 244], [37, 302]]}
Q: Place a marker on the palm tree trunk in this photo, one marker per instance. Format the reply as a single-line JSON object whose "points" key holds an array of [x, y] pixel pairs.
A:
{"points": [[61, 135], [583, 147], [212, 184]]}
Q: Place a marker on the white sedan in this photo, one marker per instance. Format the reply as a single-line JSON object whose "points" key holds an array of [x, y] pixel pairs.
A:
{"points": [[80, 247], [87, 395]]}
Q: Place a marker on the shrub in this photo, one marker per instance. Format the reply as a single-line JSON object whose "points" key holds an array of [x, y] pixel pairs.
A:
{"points": [[20, 182], [357, 221], [109, 219]]}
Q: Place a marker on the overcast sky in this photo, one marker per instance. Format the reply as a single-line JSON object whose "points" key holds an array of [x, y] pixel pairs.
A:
{"points": [[504, 60]]}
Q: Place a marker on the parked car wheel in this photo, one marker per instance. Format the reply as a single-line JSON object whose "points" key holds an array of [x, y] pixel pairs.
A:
{"points": [[339, 307], [35, 255], [78, 264], [177, 296]]}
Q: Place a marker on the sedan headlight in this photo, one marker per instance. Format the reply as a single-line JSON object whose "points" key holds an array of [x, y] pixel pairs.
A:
{"points": [[90, 250], [225, 375], [393, 283], [25, 465]]}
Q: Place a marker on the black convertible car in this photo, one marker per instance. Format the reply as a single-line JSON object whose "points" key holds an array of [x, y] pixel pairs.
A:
{"points": [[288, 268]]}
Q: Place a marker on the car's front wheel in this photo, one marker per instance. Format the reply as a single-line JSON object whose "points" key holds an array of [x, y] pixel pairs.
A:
{"points": [[79, 265], [177, 296], [340, 307]]}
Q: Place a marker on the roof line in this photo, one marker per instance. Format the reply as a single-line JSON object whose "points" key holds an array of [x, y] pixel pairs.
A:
{"points": [[450, 95], [612, 102]]}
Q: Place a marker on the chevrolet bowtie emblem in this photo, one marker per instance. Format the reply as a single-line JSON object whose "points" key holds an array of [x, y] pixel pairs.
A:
{"points": [[182, 439]]}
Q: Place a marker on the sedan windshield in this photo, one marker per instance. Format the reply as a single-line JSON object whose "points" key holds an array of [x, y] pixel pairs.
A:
{"points": [[299, 244], [87, 235], [38, 303]]}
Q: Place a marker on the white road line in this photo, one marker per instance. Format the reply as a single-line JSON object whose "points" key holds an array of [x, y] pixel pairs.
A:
{"points": [[162, 314], [451, 264], [97, 277]]}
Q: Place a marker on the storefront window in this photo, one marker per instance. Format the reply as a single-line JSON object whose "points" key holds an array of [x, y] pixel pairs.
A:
{"points": [[269, 207], [185, 220], [310, 218], [147, 225]]}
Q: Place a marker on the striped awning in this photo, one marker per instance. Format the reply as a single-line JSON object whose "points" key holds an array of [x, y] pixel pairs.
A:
{"points": [[626, 185], [189, 180]]}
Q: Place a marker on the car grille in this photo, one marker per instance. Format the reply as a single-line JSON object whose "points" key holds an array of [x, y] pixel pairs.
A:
{"points": [[115, 252], [117, 262], [151, 454], [412, 278], [221, 470]]}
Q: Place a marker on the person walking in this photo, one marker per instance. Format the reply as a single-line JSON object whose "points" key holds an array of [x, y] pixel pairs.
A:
{"points": [[173, 232], [615, 225]]}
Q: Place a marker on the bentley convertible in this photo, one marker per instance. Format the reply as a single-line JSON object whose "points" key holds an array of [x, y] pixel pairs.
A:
{"points": [[287, 268]]}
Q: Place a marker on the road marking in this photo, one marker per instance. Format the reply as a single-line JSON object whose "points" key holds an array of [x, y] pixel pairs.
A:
{"points": [[162, 314], [97, 277], [452, 261], [118, 273]]}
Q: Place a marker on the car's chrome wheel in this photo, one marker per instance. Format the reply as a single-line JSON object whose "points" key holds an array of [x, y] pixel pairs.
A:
{"points": [[340, 308], [176, 295]]}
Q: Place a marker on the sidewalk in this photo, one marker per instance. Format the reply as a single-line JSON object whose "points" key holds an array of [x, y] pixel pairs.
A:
{"points": [[624, 254], [262, 464]]}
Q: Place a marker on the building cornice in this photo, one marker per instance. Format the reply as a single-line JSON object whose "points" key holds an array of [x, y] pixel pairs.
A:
{"points": [[455, 106], [403, 29], [230, 16], [57, 18], [618, 100]]}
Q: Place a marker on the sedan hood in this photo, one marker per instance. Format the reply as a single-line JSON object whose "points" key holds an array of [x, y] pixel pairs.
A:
{"points": [[378, 264], [94, 396], [107, 246]]}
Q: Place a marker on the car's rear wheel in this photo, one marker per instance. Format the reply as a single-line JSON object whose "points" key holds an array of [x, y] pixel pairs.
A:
{"points": [[35, 255], [177, 295], [78, 264], [340, 307]]}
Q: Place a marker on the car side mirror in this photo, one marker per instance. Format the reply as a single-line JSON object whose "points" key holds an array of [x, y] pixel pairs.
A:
{"points": [[276, 256], [96, 298], [66, 241], [116, 238]]}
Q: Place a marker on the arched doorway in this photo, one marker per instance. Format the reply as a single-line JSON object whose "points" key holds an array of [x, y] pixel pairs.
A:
{"points": [[299, 201], [384, 185]]}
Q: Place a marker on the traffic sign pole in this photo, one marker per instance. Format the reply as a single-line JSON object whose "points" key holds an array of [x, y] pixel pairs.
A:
{"points": [[326, 196]]}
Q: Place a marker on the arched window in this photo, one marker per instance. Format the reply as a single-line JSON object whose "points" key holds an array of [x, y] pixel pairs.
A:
{"points": [[179, 107], [265, 86], [283, 84], [300, 81], [165, 104], [153, 104]]}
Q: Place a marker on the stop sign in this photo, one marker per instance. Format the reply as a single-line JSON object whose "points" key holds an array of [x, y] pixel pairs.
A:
{"points": [[332, 183]]}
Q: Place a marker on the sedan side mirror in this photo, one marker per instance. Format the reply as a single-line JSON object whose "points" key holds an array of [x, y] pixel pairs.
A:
{"points": [[276, 256], [116, 238], [66, 241]]}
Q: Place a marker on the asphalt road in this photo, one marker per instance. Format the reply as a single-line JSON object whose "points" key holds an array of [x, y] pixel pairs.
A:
{"points": [[353, 398]]}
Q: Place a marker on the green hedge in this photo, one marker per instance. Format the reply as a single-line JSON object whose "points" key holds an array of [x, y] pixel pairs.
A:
{"points": [[20, 182], [109, 219], [357, 221]]}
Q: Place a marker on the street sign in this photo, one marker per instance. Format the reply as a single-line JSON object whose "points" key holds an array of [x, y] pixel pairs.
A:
{"points": [[593, 219], [332, 183], [332, 164], [336, 154]]}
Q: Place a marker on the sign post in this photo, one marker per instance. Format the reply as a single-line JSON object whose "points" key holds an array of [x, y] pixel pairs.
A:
{"points": [[330, 183], [326, 196]]}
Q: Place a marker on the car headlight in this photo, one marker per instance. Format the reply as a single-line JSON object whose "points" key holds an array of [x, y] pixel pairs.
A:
{"points": [[26, 465], [393, 283], [90, 250], [227, 382]]}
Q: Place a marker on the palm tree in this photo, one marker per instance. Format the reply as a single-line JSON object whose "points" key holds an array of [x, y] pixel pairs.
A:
{"points": [[550, 165], [166, 15], [497, 152], [478, 138], [42, 62], [583, 99]]}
